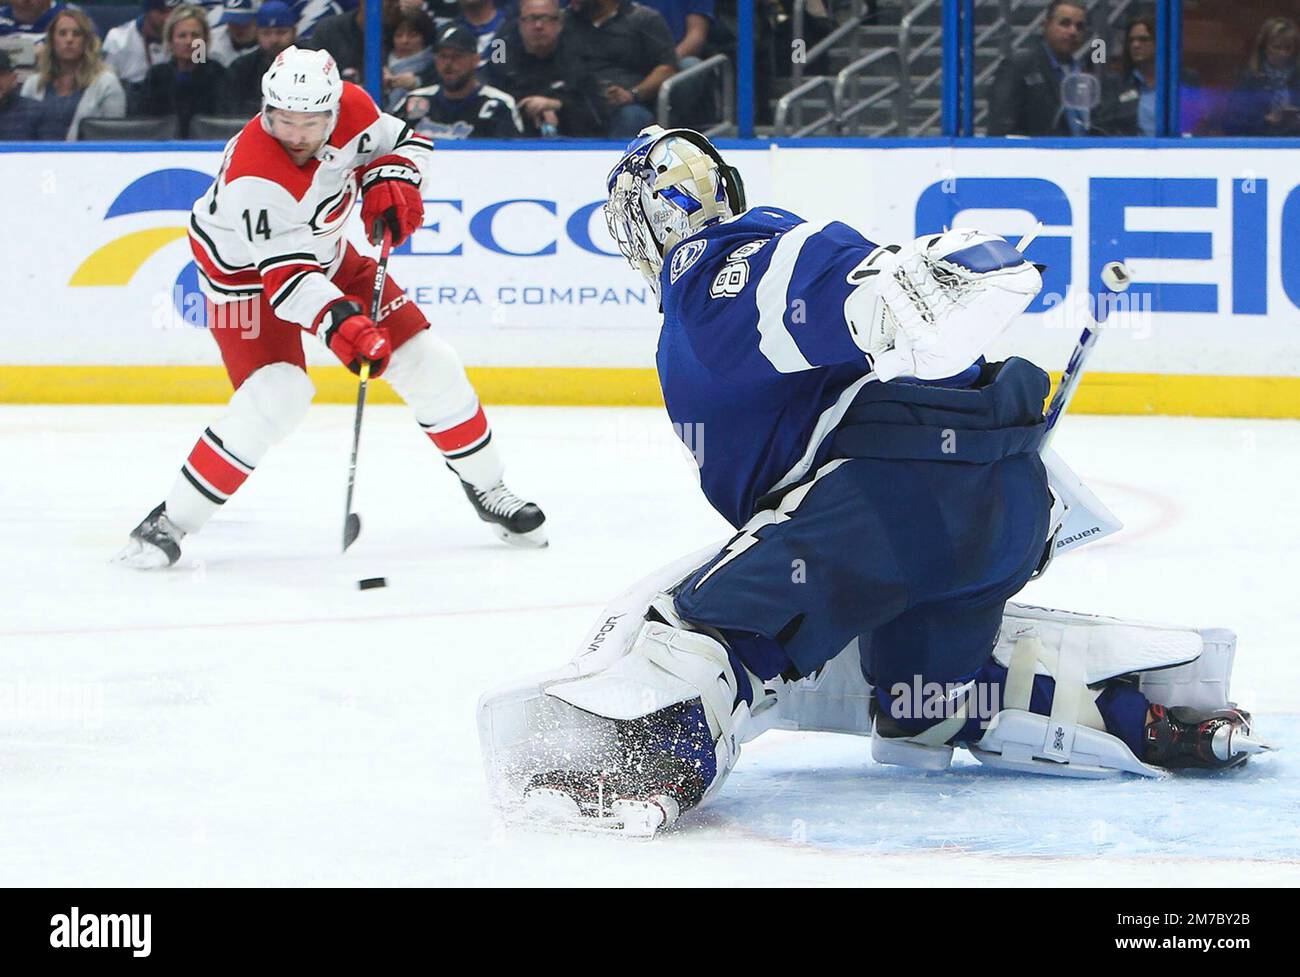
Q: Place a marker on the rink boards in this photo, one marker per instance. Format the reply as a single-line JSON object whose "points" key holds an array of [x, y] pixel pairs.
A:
{"points": [[514, 265]]}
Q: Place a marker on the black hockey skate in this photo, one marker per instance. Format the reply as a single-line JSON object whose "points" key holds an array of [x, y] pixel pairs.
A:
{"points": [[658, 774], [514, 521], [1179, 738], [154, 544]]}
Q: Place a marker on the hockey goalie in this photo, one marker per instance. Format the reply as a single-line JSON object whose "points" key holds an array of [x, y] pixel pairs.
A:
{"points": [[889, 497]]}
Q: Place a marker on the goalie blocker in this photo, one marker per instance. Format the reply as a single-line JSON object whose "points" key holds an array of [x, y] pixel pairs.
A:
{"points": [[648, 718]]}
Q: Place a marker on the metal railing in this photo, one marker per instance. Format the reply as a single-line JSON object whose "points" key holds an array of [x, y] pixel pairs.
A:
{"points": [[847, 29], [846, 110], [788, 101], [720, 64], [908, 52]]}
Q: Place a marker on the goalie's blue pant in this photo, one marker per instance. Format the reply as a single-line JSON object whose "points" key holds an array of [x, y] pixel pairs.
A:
{"points": [[929, 512]]}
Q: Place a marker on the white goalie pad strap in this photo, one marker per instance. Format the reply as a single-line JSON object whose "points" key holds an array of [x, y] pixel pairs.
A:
{"points": [[1067, 695], [1021, 668], [941, 732]]}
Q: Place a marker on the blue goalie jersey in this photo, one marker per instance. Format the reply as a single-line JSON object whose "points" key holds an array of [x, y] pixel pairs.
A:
{"points": [[755, 357]]}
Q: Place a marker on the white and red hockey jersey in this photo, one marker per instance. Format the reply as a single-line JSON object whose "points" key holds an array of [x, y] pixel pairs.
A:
{"points": [[269, 226]]}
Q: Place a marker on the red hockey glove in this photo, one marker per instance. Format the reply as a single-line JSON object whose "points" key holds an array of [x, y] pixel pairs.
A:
{"points": [[390, 191], [352, 336]]}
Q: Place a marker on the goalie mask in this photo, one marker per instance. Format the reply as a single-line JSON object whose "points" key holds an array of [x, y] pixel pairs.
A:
{"points": [[669, 184]]}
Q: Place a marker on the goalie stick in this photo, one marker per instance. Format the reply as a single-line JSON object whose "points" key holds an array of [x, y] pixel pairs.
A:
{"points": [[1115, 278]]}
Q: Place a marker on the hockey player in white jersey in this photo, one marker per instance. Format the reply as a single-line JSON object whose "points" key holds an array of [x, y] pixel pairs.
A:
{"points": [[274, 265], [888, 496]]}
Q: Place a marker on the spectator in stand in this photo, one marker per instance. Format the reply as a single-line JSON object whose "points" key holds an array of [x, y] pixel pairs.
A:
{"points": [[689, 21], [276, 30], [459, 106], [630, 50], [483, 18], [28, 16], [312, 12], [131, 49], [1026, 97], [19, 116], [1129, 99], [410, 55], [556, 95], [71, 81], [440, 10], [343, 36], [189, 84], [1266, 101], [235, 33]]}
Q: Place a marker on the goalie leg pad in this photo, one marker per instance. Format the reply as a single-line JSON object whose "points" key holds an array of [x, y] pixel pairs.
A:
{"points": [[1174, 666], [1079, 652], [555, 764], [671, 666]]}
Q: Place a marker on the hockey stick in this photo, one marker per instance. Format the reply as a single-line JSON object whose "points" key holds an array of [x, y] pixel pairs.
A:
{"points": [[352, 521], [1116, 278]]}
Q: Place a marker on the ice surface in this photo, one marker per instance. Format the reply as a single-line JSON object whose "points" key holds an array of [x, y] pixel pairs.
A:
{"points": [[250, 717]]}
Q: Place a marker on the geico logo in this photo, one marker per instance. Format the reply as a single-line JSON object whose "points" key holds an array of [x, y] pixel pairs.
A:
{"points": [[1237, 234], [519, 228]]}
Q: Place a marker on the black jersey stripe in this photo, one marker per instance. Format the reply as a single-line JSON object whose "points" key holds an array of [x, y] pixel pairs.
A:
{"points": [[294, 258], [234, 292], [288, 288], [211, 249]]}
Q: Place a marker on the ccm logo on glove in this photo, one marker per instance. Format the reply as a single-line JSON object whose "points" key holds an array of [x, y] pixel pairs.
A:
{"points": [[390, 191]]}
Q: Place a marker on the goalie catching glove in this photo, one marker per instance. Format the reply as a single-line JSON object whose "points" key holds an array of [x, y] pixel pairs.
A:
{"points": [[929, 310]]}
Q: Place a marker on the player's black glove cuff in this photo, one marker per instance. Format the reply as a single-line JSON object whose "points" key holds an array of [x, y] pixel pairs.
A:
{"points": [[336, 313]]}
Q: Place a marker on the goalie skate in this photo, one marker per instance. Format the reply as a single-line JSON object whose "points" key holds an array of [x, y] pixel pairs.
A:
{"points": [[1181, 738]]}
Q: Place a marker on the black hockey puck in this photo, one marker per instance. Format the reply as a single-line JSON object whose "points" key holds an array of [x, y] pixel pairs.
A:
{"points": [[371, 583]]}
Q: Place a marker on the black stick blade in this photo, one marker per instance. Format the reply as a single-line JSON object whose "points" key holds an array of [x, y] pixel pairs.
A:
{"points": [[351, 530]]}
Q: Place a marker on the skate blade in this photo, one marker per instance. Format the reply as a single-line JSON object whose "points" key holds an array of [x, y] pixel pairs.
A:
{"points": [[139, 555], [1243, 743], [534, 539]]}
